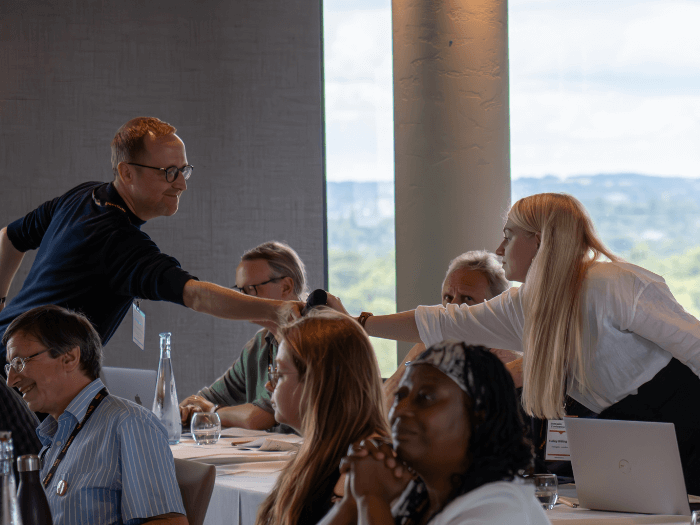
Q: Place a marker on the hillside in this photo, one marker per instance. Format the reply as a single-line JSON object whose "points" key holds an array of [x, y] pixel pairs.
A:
{"points": [[650, 221]]}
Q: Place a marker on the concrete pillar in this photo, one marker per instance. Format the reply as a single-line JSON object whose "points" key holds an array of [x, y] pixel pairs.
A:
{"points": [[452, 137]]}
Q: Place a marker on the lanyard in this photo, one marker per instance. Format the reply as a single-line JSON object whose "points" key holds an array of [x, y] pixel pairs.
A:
{"points": [[91, 408]]}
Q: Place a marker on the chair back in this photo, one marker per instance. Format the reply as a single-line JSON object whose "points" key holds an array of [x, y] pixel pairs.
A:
{"points": [[196, 482]]}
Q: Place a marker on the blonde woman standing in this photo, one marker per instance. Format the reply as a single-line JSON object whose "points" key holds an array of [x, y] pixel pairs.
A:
{"points": [[327, 387], [607, 333]]}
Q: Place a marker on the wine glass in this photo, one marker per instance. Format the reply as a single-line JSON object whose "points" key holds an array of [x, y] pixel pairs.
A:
{"points": [[205, 427]]}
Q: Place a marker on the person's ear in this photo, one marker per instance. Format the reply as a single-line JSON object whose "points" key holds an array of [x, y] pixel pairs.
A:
{"points": [[125, 173], [288, 287], [71, 359]]}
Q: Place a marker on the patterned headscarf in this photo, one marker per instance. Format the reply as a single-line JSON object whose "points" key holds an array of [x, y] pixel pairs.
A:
{"points": [[450, 358]]}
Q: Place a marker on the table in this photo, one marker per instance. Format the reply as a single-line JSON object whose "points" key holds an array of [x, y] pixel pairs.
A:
{"points": [[563, 515], [245, 477]]}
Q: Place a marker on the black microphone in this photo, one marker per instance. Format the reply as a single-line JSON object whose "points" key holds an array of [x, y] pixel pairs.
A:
{"points": [[316, 298]]}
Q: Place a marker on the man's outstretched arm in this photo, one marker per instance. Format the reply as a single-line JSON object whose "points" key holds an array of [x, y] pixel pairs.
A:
{"points": [[212, 299], [10, 261]]}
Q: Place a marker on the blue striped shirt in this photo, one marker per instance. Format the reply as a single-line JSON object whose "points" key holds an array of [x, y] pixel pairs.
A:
{"points": [[119, 468]]}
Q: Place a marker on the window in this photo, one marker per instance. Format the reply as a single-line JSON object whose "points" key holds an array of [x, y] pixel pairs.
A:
{"points": [[605, 105], [358, 72]]}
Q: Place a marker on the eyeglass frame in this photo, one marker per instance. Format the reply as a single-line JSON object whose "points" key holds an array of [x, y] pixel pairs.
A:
{"points": [[169, 169], [23, 361], [273, 375], [254, 286]]}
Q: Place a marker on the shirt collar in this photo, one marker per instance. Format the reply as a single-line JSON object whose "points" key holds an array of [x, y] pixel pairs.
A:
{"points": [[108, 193], [270, 338], [75, 410], [81, 402]]}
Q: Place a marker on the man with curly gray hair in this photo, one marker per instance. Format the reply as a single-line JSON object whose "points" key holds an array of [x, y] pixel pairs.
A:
{"points": [[472, 278]]}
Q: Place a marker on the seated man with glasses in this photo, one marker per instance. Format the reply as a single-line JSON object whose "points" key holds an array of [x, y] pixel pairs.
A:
{"points": [[92, 255], [104, 459], [272, 270]]}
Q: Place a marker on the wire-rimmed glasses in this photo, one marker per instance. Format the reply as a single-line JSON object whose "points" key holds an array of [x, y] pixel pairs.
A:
{"points": [[18, 363]]}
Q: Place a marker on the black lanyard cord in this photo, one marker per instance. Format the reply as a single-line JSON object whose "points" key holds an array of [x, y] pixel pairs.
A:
{"points": [[91, 408]]}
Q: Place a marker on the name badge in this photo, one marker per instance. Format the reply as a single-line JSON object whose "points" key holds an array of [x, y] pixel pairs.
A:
{"points": [[62, 487], [138, 332], [557, 442]]}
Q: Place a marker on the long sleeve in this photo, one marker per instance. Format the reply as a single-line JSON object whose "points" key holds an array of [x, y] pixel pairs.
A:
{"points": [[497, 323]]}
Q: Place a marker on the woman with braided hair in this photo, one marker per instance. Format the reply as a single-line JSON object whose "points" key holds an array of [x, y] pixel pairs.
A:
{"points": [[456, 423]]}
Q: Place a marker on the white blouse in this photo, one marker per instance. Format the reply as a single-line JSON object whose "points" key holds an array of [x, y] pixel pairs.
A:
{"points": [[497, 503], [635, 326]]}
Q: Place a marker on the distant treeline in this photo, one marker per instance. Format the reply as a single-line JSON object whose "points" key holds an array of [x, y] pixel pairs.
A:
{"points": [[650, 221]]}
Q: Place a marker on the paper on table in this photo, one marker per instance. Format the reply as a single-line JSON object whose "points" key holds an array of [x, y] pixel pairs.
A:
{"points": [[224, 454], [243, 432], [259, 467], [274, 444]]}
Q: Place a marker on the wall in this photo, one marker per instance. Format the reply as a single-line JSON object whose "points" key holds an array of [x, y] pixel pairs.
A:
{"points": [[241, 82]]}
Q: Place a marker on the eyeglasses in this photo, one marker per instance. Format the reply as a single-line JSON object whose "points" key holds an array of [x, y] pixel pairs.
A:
{"points": [[252, 289], [172, 172], [18, 363]]}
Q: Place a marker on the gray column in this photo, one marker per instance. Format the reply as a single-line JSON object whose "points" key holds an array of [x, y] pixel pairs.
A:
{"points": [[452, 137]]}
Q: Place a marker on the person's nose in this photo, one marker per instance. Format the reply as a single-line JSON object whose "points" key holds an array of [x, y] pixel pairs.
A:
{"points": [[12, 378], [180, 183], [399, 409], [269, 387], [500, 251]]}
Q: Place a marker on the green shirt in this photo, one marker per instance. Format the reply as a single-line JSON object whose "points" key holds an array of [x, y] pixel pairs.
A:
{"points": [[245, 381]]}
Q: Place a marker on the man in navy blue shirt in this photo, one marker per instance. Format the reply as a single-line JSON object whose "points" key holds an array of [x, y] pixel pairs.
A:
{"points": [[92, 255]]}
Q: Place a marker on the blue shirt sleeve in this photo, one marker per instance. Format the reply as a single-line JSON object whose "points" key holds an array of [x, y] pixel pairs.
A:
{"points": [[26, 233], [149, 486], [136, 267]]}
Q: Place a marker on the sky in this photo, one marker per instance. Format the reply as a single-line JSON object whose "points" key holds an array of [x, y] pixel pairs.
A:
{"points": [[596, 86]]}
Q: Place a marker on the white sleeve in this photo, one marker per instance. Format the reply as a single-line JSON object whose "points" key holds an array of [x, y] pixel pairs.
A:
{"points": [[656, 316], [497, 323]]}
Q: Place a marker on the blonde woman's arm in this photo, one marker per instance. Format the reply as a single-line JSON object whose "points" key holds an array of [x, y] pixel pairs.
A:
{"points": [[399, 327]]}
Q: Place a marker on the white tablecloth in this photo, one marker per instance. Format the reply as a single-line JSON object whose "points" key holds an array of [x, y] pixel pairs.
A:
{"points": [[244, 478]]}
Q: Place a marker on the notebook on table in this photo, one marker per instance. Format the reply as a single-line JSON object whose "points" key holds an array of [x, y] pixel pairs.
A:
{"points": [[627, 466], [133, 384]]}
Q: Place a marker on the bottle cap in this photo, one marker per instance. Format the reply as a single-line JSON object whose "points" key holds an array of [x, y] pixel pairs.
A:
{"points": [[28, 463]]}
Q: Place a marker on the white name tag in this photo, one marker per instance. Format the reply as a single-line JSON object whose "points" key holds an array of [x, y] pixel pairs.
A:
{"points": [[557, 442], [138, 332]]}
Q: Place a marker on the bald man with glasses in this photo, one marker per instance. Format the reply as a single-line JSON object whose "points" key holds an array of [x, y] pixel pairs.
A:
{"points": [[92, 255]]}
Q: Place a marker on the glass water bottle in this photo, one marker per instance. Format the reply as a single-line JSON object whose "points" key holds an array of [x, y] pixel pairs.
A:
{"points": [[165, 405], [9, 509]]}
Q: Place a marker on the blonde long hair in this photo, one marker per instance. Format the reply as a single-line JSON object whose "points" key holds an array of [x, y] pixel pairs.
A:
{"points": [[341, 402], [554, 319]]}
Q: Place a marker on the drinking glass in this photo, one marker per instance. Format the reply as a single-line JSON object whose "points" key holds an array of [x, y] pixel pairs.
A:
{"points": [[695, 517], [205, 427], [546, 489]]}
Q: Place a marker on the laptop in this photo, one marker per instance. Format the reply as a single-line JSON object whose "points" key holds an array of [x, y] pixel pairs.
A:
{"points": [[627, 466], [135, 385]]}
